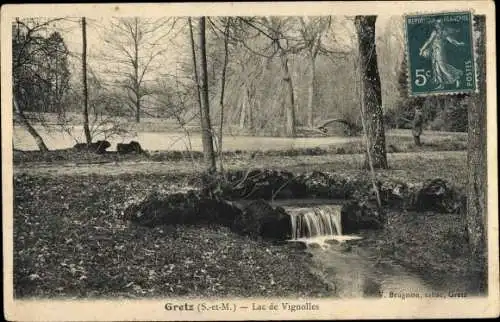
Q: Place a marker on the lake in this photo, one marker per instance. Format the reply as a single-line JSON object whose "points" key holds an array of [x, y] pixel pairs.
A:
{"points": [[56, 139]]}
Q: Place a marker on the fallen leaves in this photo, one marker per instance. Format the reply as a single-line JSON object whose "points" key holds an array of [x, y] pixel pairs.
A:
{"points": [[85, 249]]}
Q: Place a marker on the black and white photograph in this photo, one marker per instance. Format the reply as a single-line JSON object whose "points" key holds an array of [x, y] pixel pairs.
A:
{"points": [[264, 161]]}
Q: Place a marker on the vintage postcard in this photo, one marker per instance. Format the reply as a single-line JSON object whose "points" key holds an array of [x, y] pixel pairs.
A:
{"points": [[249, 161]]}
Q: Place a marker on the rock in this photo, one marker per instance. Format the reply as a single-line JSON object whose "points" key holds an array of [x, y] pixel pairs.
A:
{"points": [[313, 245], [132, 147], [158, 209], [393, 193], [96, 147], [324, 185], [80, 146], [264, 184], [345, 248], [438, 195], [213, 211], [192, 208], [259, 218], [357, 215], [317, 184], [297, 245], [308, 254], [181, 209]]}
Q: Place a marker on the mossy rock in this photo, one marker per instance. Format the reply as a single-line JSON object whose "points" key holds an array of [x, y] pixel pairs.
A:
{"points": [[359, 215], [181, 209], [325, 185], [263, 184], [439, 195], [98, 147], [259, 218]]}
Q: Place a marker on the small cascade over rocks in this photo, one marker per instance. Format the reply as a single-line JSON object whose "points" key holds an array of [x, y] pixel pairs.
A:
{"points": [[315, 221], [316, 225]]}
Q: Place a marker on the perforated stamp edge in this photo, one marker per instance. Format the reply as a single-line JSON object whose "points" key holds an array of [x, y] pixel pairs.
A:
{"points": [[473, 29]]}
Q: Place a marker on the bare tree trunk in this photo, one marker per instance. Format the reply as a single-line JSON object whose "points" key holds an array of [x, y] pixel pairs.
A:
{"points": [[374, 117], [206, 128], [31, 130], [359, 87], [477, 160], [138, 110], [251, 102], [86, 128], [55, 101], [289, 99], [243, 110], [136, 74], [195, 66], [223, 87], [310, 99]]}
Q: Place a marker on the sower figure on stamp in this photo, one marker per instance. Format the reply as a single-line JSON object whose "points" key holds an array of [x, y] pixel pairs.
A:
{"points": [[434, 47], [418, 121]]}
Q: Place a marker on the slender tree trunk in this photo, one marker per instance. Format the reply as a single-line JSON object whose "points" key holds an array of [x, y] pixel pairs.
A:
{"points": [[359, 90], [222, 90], [477, 211], [138, 110], [31, 130], [310, 99], [195, 65], [374, 117], [251, 102], [289, 99], [243, 110], [136, 73], [85, 112], [206, 128], [55, 101]]}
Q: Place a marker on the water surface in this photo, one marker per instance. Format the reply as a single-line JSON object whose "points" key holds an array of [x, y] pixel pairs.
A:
{"points": [[165, 141]]}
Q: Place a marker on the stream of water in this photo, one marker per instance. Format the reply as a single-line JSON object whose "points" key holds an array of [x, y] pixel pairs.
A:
{"points": [[350, 271]]}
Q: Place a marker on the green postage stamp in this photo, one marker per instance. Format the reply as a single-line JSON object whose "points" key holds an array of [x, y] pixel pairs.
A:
{"points": [[440, 53]]}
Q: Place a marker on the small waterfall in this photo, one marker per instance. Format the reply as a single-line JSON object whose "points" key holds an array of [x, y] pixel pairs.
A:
{"points": [[316, 221]]}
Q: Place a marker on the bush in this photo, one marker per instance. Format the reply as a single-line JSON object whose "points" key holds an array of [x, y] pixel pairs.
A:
{"points": [[452, 119]]}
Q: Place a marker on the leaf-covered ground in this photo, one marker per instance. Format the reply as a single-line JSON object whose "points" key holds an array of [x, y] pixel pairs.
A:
{"points": [[70, 240], [432, 245]]}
